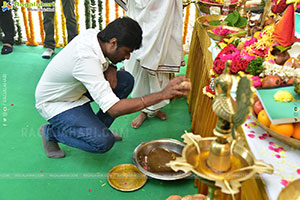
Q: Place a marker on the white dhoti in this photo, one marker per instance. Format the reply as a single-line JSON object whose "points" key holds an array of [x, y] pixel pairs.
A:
{"points": [[161, 53]]}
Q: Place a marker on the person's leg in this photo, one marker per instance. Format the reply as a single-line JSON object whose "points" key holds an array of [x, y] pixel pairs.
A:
{"points": [[48, 21], [8, 28], [123, 89], [69, 12], [79, 127], [156, 82]]}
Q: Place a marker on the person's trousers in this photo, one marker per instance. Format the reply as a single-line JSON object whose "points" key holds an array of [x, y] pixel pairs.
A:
{"points": [[48, 21], [7, 25], [81, 128]]}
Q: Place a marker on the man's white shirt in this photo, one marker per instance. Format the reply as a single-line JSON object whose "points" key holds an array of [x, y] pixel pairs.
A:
{"points": [[76, 69]]}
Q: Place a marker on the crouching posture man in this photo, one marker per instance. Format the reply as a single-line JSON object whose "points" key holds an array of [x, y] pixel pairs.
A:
{"points": [[81, 73]]}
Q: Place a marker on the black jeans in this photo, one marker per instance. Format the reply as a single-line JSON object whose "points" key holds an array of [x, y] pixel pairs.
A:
{"points": [[7, 24]]}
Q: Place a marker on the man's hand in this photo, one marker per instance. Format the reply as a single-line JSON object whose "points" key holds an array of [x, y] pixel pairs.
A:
{"points": [[177, 87], [111, 76]]}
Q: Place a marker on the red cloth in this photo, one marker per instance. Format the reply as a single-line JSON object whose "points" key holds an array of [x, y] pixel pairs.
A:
{"points": [[284, 32]]}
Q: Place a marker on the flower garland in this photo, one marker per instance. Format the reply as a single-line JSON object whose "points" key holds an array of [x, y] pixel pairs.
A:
{"points": [[106, 12], [186, 23], [77, 15], [56, 37], [123, 12], [261, 45], [209, 90], [63, 25], [93, 9], [284, 72], [117, 10], [100, 19], [23, 10], [42, 33], [32, 41], [230, 52], [87, 14], [17, 24]]}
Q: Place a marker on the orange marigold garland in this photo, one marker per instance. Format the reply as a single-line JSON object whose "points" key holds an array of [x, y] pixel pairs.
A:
{"points": [[77, 15], [123, 12], [63, 25], [186, 23], [42, 33], [32, 37], [106, 12], [56, 37], [25, 21], [117, 10]]}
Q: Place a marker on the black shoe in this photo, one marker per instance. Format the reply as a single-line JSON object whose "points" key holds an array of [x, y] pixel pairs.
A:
{"points": [[6, 50]]}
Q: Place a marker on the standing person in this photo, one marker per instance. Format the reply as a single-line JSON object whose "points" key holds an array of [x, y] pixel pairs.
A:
{"points": [[48, 21], [7, 26], [161, 54], [80, 73]]}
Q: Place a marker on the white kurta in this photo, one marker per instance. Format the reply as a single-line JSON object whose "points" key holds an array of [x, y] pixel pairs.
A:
{"points": [[161, 53], [76, 69]]}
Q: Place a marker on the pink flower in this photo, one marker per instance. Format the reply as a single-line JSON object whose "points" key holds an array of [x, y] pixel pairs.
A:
{"points": [[284, 182], [271, 148], [248, 57], [256, 81], [250, 42], [261, 137]]}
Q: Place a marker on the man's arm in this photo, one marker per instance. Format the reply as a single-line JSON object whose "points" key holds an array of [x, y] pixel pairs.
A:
{"points": [[173, 89], [111, 76]]}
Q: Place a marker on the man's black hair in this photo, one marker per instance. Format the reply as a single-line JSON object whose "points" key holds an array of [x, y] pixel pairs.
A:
{"points": [[126, 30]]}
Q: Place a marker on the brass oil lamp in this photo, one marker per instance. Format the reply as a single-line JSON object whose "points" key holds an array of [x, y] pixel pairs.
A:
{"points": [[223, 161]]}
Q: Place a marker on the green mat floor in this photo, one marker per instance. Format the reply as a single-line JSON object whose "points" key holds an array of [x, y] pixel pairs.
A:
{"points": [[27, 174]]}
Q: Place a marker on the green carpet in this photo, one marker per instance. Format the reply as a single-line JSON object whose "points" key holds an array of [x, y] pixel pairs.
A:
{"points": [[27, 174]]}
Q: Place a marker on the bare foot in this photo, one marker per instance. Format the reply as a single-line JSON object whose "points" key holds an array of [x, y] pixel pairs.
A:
{"points": [[161, 115], [137, 122]]}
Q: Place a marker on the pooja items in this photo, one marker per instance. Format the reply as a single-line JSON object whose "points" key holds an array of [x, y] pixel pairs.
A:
{"points": [[223, 161], [291, 191], [151, 158], [126, 177]]}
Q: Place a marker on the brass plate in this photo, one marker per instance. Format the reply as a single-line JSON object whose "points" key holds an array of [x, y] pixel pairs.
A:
{"points": [[221, 37], [291, 191], [287, 140], [203, 19], [203, 22], [126, 177], [142, 153], [204, 6]]}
